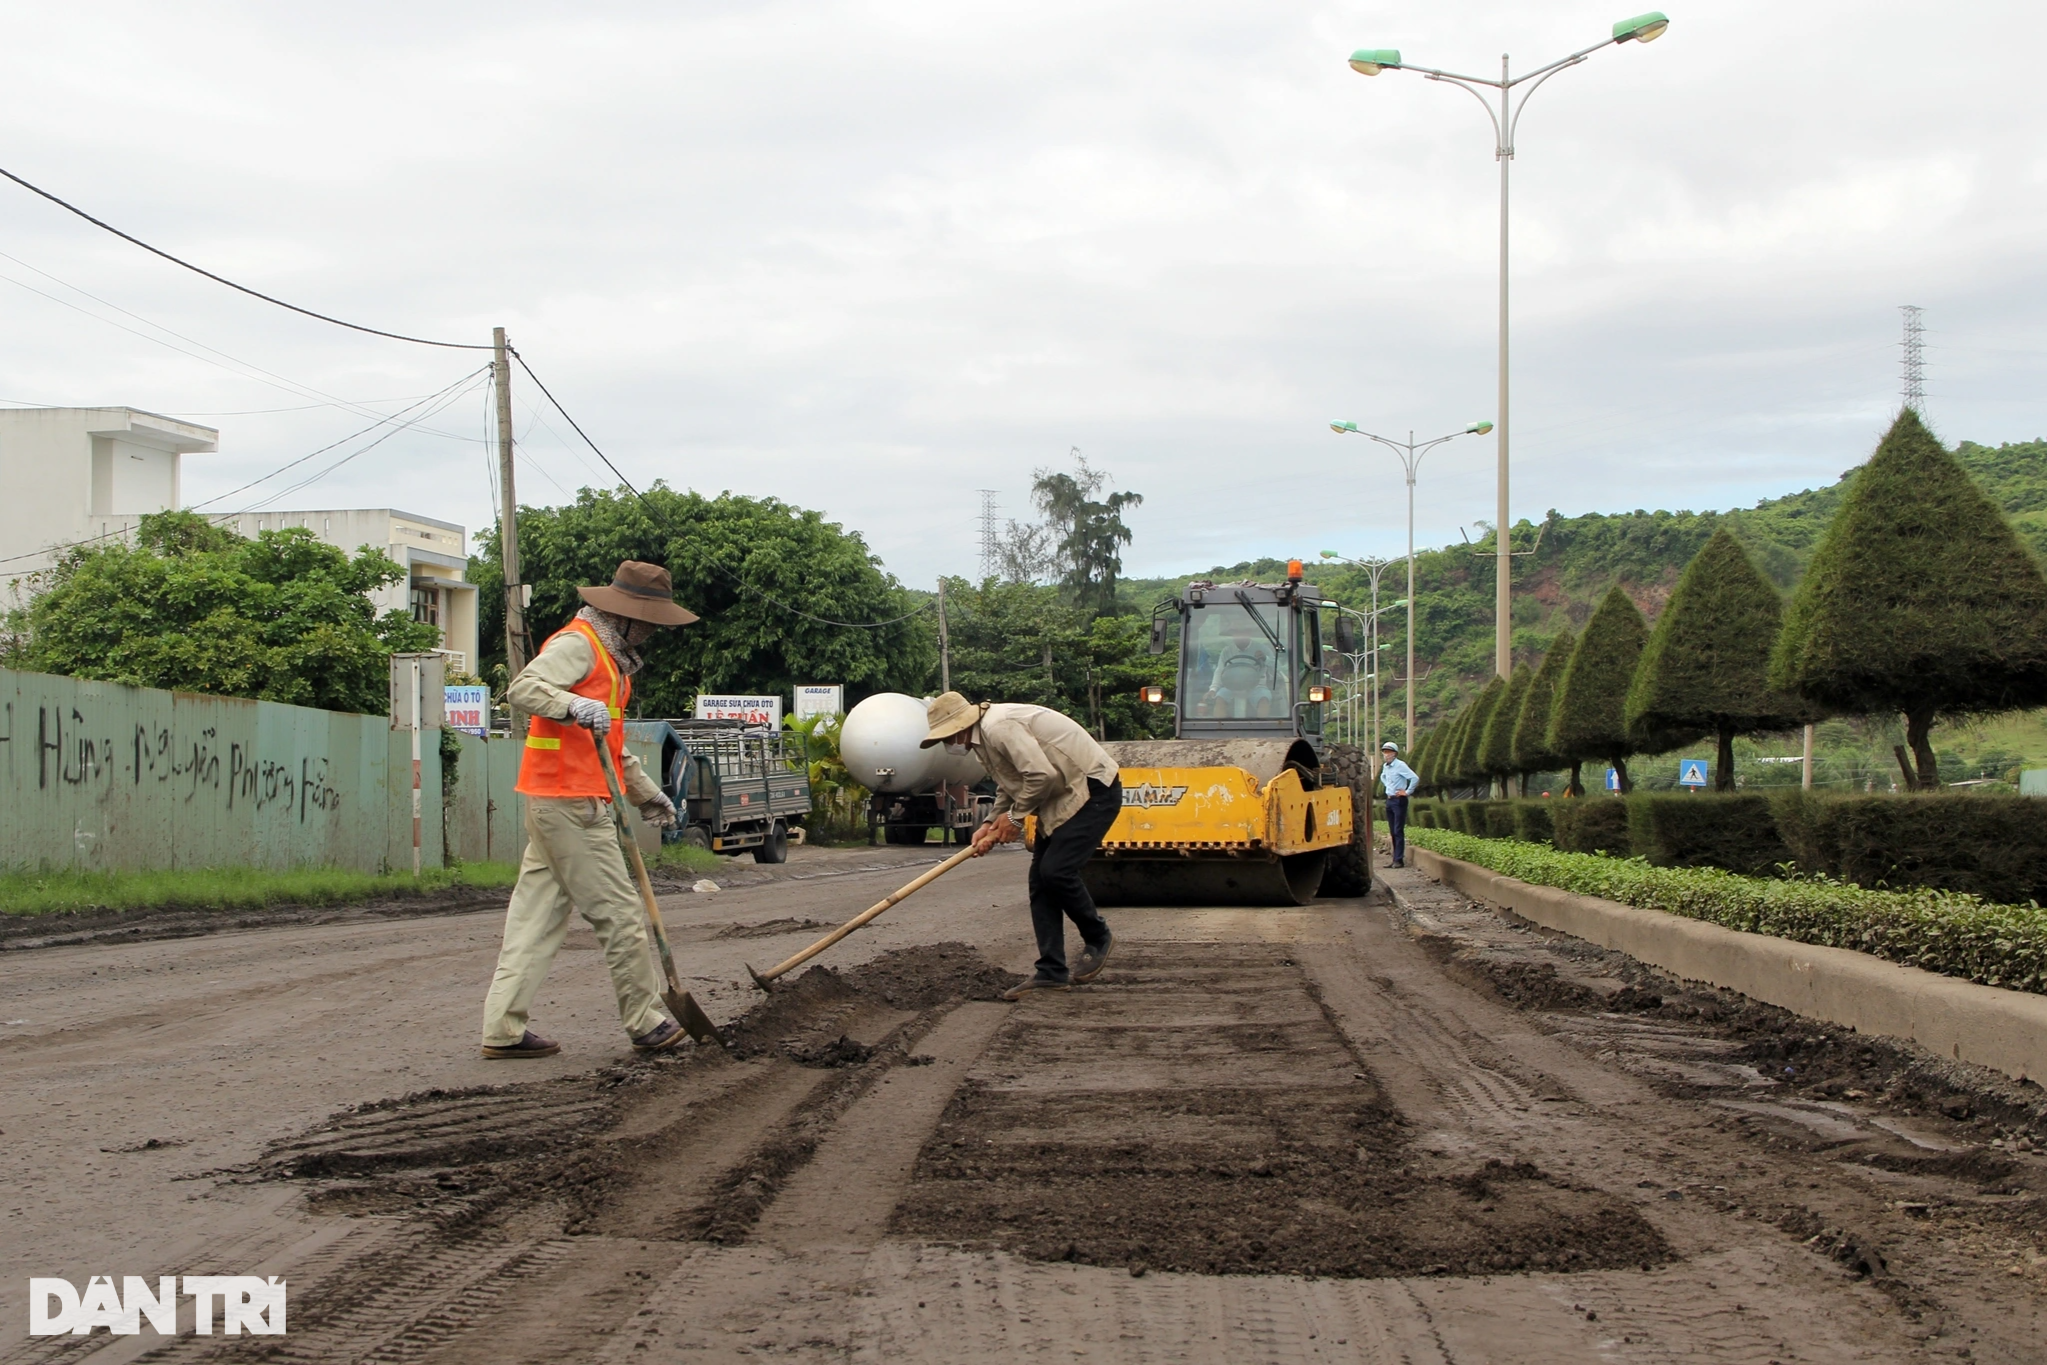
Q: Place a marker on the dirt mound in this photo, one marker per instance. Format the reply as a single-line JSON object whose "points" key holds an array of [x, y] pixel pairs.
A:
{"points": [[935, 974]]}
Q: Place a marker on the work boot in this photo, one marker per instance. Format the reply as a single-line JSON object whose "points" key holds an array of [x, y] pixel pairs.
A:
{"points": [[1034, 983], [661, 1037], [530, 1044], [1091, 959]]}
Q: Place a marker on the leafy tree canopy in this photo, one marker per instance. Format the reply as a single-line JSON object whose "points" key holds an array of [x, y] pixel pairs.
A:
{"points": [[1589, 717], [1706, 667], [1496, 750], [195, 607], [1920, 599], [747, 566], [1532, 753], [1470, 744]]}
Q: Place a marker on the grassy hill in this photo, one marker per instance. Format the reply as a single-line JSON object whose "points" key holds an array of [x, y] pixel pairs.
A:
{"points": [[1580, 557]]}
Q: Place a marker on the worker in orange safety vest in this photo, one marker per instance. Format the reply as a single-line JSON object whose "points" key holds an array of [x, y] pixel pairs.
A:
{"points": [[576, 690]]}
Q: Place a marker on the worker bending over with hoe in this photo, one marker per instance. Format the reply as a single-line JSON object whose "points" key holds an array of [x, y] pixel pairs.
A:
{"points": [[1044, 764], [576, 690]]}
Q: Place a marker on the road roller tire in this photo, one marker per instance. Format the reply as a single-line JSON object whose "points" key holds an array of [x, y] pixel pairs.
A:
{"points": [[1205, 881], [1349, 871]]}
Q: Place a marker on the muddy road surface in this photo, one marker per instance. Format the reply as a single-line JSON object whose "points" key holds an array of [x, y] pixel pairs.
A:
{"points": [[1400, 1128]]}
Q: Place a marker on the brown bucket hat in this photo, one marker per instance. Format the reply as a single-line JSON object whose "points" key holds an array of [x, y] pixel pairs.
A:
{"points": [[642, 591], [948, 714]]}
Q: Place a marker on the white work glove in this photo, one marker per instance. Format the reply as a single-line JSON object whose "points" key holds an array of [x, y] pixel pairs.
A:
{"points": [[659, 812], [590, 713]]}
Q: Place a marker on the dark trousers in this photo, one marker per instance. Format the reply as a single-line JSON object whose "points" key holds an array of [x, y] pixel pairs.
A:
{"points": [[1396, 827], [1057, 892]]}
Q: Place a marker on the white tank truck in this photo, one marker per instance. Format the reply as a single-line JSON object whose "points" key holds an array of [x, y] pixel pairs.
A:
{"points": [[915, 789]]}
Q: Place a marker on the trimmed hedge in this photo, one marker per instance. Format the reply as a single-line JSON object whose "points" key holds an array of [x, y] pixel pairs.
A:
{"points": [[1737, 831], [1593, 824], [1940, 931], [1534, 822], [1989, 846], [1496, 819]]}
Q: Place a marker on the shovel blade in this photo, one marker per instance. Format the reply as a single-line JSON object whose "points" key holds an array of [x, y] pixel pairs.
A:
{"points": [[766, 983], [691, 1016]]}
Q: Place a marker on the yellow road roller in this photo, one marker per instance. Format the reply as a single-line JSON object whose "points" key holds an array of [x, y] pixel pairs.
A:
{"points": [[1247, 805]]}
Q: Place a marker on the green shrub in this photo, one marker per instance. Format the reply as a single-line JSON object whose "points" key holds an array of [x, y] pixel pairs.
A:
{"points": [[1533, 823], [1592, 824], [1737, 831], [1940, 931], [1461, 817], [1496, 819], [1989, 846]]}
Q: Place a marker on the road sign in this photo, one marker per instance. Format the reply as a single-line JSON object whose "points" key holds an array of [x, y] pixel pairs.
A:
{"points": [[468, 708], [1613, 780], [1691, 772], [820, 700], [748, 710]]}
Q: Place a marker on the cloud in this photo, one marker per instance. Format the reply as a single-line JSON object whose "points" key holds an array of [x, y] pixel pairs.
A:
{"points": [[872, 257]]}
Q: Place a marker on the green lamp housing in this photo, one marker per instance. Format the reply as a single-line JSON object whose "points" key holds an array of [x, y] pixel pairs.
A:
{"points": [[1341, 427], [1370, 61], [1479, 428], [1643, 28]]}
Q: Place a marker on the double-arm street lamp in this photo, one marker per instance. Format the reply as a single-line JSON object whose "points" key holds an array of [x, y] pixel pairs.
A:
{"points": [[1410, 452], [1370, 62]]}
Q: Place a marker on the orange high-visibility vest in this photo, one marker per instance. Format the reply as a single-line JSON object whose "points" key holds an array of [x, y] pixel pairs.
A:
{"points": [[561, 756]]}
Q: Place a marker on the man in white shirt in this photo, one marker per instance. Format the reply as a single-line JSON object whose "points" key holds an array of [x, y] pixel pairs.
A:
{"points": [[1044, 764], [1400, 782]]}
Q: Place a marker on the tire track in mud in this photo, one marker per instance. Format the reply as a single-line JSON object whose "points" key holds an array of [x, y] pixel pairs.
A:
{"points": [[1206, 1115], [589, 1184]]}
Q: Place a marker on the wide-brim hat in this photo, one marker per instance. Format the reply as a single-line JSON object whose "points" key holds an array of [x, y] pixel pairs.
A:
{"points": [[948, 714], [643, 592]]}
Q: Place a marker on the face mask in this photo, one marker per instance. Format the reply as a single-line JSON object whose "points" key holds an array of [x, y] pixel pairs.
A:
{"points": [[958, 749]]}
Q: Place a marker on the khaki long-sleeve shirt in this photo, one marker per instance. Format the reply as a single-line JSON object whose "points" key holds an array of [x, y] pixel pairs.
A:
{"points": [[1041, 761], [542, 689]]}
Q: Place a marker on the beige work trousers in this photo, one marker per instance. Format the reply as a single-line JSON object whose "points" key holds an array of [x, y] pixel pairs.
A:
{"points": [[572, 862]]}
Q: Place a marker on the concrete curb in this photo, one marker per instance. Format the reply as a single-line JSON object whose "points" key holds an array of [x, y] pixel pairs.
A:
{"points": [[1983, 1025]]}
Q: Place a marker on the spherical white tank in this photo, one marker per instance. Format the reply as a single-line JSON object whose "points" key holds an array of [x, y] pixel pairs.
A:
{"points": [[879, 744]]}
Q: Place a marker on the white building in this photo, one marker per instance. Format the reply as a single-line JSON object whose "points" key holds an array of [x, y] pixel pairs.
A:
{"points": [[76, 475], [71, 475], [433, 554]]}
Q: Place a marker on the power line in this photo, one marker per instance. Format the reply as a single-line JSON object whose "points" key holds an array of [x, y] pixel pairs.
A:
{"points": [[273, 379], [222, 279], [738, 583]]}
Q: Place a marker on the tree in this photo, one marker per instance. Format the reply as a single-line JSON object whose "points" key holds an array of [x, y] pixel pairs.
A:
{"points": [[1920, 599], [1496, 750], [1470, 744], [1589, 718], [1706, 667], [1532, 753], [195, 607], [772, 583], [1086, 535]]}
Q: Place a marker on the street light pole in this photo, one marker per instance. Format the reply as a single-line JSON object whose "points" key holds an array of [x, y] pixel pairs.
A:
{"points": [[1642, 28], [1410, 452]]}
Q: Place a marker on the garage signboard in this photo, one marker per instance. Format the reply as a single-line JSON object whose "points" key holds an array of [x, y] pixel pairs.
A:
{"points": [[747, 710], [820, 700]]}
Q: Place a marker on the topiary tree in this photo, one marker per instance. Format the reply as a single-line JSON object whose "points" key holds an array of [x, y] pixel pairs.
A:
{"points": [[1706, 668], [1448, 770], [1532, 753], [1589, 719], [1496, 749], [1470, 763], [1920, 599]]}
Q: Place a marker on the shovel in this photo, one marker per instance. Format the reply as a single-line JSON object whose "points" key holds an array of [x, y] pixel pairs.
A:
{"points": [[680, 1002], [766, 980]]}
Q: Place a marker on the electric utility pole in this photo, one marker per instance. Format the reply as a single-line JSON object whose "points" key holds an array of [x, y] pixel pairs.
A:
{"points": [[508, 525], [944, 643]]}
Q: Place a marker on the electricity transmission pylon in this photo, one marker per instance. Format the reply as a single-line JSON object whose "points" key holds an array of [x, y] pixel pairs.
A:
{"points": [[991, 549], [1914, 373]]}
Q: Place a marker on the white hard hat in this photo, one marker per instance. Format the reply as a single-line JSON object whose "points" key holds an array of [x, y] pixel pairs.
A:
{"points": [[1389, 744]]}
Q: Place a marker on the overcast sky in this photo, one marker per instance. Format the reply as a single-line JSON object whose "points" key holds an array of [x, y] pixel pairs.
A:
{"points": [[873, 257]]}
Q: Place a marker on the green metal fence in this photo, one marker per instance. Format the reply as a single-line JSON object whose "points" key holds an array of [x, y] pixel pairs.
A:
{"points": [[98, 775]]}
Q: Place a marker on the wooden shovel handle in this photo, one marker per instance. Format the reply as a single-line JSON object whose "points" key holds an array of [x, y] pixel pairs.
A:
{"points": [[631, 849], [865, 915]]}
